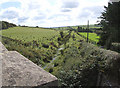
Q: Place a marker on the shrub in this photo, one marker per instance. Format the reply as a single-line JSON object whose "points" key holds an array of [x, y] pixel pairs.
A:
{"points": [[45, 45], [56, 64], [115, 47], [50, 70], [46, 60]]}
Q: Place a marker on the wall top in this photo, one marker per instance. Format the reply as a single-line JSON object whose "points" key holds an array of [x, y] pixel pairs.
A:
{"points": [[20, 71]]}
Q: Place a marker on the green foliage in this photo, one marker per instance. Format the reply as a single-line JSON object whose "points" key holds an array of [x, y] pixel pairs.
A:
{"points": [[69, 79], [80, 64], [115, 47], [50, 70], [78, 71], [64, 38], [45, 45], [61, 34], [6, 25], [110, 20]]}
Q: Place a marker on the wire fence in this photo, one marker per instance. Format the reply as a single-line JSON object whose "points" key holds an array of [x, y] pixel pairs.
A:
{"points": [[89, 40]]}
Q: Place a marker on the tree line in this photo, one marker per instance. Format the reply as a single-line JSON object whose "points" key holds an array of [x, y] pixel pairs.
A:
{"points": [[6, 25]]}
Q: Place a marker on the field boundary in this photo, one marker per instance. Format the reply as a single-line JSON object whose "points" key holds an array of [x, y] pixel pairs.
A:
{"points": [[89, 40]]}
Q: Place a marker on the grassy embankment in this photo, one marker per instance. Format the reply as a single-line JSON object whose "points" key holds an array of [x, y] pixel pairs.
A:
{"points": [[81, 63], [34, 43], [37, 44]]}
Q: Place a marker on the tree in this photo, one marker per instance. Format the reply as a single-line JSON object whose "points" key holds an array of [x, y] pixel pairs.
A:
{"points": [[79, 28], [110, 20], [6, 25], [64, 38]]}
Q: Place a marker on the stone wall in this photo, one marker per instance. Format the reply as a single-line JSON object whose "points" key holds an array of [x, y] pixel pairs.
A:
{"points": [[19, 71]]}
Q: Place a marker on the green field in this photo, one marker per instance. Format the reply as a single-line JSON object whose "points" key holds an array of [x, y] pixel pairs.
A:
{"points": [[33, 43], [92, 36], [29, 34]]}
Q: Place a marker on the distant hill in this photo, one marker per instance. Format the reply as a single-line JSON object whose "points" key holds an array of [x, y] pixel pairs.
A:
{"points": [[76, 27], [6, 25]]}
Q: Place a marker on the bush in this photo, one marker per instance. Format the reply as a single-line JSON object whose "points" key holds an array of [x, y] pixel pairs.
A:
{"points": [[115, 47], [45, 45], [56, 64], [46, 60], [50, 70]]}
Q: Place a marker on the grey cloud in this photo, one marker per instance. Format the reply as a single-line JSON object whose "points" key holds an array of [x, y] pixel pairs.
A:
{"points": [[39, 17], [84, 14], [95, 9], [22, 19], [70, 4], [55, 15], [94, 12], [59, 16], [10, 14], [65, 10], [41, 21]]}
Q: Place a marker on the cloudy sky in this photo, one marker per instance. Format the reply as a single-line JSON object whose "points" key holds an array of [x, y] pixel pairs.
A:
{"points": [[51, 13]]}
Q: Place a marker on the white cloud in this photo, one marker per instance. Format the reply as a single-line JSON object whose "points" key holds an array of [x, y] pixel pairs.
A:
{"points": [[47, 13]]}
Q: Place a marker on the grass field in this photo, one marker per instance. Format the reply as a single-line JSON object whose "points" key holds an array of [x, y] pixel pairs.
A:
{"points": [[92, 36], [33, 43], [29, 34]]}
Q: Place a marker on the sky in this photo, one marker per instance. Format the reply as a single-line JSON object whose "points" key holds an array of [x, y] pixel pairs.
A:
{"points": [[51, 13]]}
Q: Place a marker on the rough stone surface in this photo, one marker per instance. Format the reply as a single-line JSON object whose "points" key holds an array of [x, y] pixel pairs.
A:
{"points": [[2, 48], [0, 64], [19, 71]]}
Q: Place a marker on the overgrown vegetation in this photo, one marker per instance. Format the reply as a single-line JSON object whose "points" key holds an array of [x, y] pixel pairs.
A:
{"points": [[80, 64]]}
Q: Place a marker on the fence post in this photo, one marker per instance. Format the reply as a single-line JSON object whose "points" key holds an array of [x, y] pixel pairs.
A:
{"points": [[88, 31]]}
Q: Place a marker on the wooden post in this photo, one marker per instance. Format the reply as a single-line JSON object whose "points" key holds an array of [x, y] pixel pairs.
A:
{"points": [[88, 31]]}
